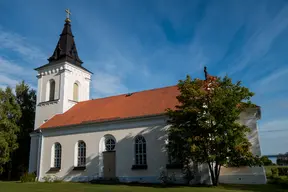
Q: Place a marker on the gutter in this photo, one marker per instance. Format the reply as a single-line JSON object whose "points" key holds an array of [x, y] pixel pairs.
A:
{"points": [[111, 120]]}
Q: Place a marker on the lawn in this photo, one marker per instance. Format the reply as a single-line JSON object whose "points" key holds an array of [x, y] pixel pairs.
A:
{"points": [[74, 187]]}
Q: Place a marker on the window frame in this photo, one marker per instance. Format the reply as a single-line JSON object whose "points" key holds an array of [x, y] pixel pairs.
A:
{"points": [[111, 145], [52, 88], [75, 92], [81, 154], [140, 150], [57, 155]]}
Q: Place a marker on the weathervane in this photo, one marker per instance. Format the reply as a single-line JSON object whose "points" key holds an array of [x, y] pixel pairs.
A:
{"points": [[67, 15], [205, 72]]}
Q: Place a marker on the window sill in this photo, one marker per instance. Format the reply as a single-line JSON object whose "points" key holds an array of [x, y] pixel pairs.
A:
{"points": [[80, 168], [139, 167], [174, 166], [48, 102], [73, 101], [54, 169]]}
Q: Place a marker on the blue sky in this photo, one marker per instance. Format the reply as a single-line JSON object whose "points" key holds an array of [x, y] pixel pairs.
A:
{"points": [[134, 45]]}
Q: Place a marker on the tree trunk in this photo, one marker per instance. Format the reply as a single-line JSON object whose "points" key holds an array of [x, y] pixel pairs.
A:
{"points": [[214, 172], [9, 170]]}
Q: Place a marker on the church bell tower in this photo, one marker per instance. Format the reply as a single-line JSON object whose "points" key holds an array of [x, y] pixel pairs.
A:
{"points": [[63, 81]]}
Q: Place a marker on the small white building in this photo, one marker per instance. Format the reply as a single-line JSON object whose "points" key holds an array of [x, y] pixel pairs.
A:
{"points": [[122, 136]]}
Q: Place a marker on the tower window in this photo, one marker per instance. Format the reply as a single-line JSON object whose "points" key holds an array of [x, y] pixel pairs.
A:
{"points": [[50, 90], [75, 92]]}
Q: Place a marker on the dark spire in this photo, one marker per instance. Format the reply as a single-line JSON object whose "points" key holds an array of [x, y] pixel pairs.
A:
{"points": [[205, 72], [66, 48]]}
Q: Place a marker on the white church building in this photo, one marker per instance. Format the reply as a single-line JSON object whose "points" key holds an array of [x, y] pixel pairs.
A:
{"points": [[123, 136]]}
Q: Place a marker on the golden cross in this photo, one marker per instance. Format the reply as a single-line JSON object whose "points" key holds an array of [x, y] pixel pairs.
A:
{"points": [[68, 15]]}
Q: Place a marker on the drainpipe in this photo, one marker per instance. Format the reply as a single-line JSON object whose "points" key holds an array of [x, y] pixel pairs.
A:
{"points": [[40, 149]]}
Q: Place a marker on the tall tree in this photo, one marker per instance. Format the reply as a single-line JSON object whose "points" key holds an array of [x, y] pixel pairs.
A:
{"points": [[26, 99], [10, 113], [205, 124]]}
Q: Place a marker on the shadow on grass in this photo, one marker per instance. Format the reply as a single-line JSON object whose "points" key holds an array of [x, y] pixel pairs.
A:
{"points": [[256, 188], [149, 185]]}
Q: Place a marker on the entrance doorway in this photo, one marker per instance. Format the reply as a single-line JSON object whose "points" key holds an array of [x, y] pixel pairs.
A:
{"points": [[109, 164]]}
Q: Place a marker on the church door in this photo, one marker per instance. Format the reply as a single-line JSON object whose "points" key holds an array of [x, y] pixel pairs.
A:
{"points": [[109, 164]]}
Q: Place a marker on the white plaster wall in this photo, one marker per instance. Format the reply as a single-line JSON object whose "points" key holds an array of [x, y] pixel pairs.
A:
{"points": [[82, 78], [52, 74], [64, 75], [153, 131], [33, 156], [46, 111], [246, 175]]}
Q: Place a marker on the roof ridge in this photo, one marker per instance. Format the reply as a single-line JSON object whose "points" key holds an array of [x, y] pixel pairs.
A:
{"points": [[146, 90]]}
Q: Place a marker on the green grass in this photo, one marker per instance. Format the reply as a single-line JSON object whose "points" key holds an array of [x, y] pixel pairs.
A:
{"points": [[78, 187]]}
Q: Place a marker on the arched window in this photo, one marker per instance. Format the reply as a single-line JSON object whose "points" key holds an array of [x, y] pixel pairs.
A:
{"points": [[75, 92], [52, 90], [57, 155], [140, 151], [109, 144], [81, 154]]}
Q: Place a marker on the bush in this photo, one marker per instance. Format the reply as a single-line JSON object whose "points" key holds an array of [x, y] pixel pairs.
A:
{"points": [[52, 179], [283, 171], [28, 177], [166, 179], [283, 181], [274, 171]]}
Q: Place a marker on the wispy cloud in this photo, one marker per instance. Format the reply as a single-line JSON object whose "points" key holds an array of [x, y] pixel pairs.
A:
{"points": [[8, 67], [15, 42], [105, 84], [272, 83], [6, 81], [258, 44], [13, 71]]}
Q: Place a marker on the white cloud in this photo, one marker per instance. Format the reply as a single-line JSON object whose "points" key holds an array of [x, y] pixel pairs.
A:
{"points": [[278, 124], [273, 136], [17, 43], [7, 66], [260, 42], [272, 83], [274, 76], [105, 84], [6, 81]]}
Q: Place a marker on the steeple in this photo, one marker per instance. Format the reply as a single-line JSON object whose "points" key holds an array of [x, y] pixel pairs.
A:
{"points": [[66, 48]]}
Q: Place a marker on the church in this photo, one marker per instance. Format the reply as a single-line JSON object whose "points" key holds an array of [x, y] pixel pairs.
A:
{"points": [[124, 136]]}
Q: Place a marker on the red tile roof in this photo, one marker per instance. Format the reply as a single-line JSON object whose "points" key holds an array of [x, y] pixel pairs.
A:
{"points": [[144, 103]]}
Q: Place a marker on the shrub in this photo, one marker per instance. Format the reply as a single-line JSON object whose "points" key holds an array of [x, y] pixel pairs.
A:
{"points": [[166, 179], [283, 181], [274, 171], [283, 171], [28, 177], [52, 179], [188, 174]]}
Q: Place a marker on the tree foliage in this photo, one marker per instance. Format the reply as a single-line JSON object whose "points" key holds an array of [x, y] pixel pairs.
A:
{"points": [[10, 114], [26, 98], [266, 161], [17, 160], [204, 126]]}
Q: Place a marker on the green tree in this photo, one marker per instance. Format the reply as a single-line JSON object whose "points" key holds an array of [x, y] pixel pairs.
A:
{"points": [[266, 161], [10, 113], [26, 99], [205, 124]]}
